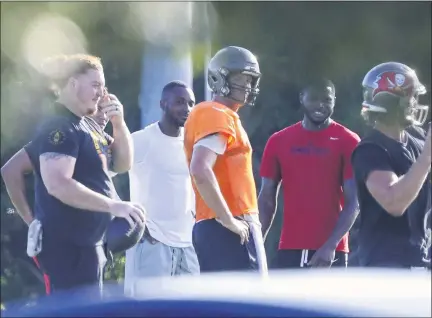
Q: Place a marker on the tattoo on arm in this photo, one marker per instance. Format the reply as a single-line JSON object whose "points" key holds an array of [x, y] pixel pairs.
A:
{"points": [[53, 155]]}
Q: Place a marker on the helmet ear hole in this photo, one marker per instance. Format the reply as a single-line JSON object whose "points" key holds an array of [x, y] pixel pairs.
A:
{"points": [[218, 84]]}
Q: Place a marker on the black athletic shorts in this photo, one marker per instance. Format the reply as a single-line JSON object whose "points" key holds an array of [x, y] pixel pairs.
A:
{"points": [[300, 258]]}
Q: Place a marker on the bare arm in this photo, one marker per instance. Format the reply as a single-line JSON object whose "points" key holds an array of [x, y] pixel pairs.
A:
{"points": [[396, 194], [267, 203], [122, 148], [271, 177], [56, 171], [348, 214], [13, 173], [201, 169]]}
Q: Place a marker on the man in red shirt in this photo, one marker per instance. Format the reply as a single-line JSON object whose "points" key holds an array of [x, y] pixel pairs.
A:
{"points": [[311, 159]]}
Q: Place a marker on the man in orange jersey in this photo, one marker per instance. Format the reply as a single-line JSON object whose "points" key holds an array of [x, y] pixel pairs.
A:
{"points": [[219, 155]]}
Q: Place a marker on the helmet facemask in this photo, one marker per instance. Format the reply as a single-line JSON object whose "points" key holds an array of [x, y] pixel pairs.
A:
{"points": [[409, 112], [415, 112]]}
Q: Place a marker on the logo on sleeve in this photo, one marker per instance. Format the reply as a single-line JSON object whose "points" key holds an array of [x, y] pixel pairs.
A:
{"points": [[56, 137]]}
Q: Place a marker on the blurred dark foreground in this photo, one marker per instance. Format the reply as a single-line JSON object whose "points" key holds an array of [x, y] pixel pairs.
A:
{"points": [[296, 293]]}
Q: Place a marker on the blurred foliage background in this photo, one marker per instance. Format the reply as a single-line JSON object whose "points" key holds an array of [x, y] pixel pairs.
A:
{"points": [[341, 40]]}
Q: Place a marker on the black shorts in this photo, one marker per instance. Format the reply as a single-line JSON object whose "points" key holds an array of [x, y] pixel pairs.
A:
{"points": [[300, 258], [68, 266], [219, 249]]}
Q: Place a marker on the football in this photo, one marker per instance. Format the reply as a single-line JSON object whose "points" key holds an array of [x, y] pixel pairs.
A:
{"points": [[120, 236]]}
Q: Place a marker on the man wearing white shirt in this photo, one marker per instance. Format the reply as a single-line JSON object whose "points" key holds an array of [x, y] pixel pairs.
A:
{"points": [[159, 180]]}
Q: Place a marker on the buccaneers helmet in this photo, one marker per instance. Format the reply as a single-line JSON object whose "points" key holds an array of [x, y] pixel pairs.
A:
{"points": [[394, 88], [233, 60]]}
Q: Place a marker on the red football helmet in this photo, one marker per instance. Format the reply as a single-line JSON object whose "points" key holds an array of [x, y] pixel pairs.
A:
{"points": [[394, 88]]}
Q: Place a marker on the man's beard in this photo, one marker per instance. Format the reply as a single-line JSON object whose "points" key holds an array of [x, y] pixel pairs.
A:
{"points": [[175, 121], [313, 121], [242, 97], [405, 118], [90, 111], [405, 122]]}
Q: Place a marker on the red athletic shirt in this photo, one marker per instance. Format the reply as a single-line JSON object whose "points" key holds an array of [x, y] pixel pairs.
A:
{"points": [[312, 166]]}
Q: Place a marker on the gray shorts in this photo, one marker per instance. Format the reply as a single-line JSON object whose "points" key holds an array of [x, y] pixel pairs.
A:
{"points": [[153, 259]]}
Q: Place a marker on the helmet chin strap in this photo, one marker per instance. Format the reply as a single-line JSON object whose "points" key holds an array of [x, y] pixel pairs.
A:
{"points": [[242, 101], [243, 90]]}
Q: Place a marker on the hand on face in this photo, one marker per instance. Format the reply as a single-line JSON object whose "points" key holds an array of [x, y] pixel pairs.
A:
{"points": [[113, 109]]}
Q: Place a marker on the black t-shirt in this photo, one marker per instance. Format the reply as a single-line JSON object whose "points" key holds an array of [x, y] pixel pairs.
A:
{"points": [[84, 140], [385, 240]]}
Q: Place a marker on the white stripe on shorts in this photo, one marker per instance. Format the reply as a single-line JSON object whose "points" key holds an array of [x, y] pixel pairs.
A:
{"points": [[255, 230]]}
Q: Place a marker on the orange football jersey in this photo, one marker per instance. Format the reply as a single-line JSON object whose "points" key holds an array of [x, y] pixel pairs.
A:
{"points": [[233, 169]]}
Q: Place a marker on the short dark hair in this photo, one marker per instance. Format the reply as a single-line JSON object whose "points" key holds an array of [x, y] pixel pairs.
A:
{"points": [[173, 84], [317, 83]]}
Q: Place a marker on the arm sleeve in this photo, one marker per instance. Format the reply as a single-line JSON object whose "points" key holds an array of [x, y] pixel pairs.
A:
{"points": [[367, 158], [57, 136], [216, 143], [270, 167], [215, 121], [350, 143]]}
